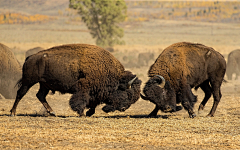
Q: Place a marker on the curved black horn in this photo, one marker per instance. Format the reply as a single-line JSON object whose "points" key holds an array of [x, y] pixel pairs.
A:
{"points": [[130, 82], [163, 81], [143, 97]]}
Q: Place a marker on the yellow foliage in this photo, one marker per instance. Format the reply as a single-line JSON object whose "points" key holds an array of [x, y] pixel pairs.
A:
{"points": [[17, 18], [141, 19]]}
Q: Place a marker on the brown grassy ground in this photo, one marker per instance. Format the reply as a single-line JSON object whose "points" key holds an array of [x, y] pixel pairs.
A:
{"points": [[122, 130]]}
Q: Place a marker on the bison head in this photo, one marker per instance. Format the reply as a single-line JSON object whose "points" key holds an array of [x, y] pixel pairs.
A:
{"points": [[127, 93], [160, 92]]}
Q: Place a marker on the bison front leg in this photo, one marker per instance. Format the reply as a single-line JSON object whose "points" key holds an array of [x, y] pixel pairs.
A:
{"points": [[154, 112], [90, 112], [78, 102], [188, 100], [187, 106]]}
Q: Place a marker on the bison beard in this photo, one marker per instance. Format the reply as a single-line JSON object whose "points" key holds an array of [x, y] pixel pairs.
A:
{"points": [[78, 101], [126, 94], [179, 68], [90, 73]]}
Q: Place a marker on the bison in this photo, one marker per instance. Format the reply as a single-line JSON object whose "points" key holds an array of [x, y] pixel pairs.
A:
{"points": [[233, 64], [91, 74], [10, 72], [33, 51], [179, 68]]}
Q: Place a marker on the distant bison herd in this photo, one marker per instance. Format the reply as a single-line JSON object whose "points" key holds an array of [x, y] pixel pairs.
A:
{"points": [[94, 76]]}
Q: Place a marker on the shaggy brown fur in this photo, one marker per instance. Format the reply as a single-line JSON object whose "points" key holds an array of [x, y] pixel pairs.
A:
{"points": [[126, 96], [184, 66], [180, 60], [33, 51], [10, 72], [88, 72]]}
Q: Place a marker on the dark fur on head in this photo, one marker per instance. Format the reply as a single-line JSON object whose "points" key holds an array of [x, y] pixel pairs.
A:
{"points": [[123, 97], [158, 95]]}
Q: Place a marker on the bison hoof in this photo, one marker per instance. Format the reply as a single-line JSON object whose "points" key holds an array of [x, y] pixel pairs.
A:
{"points": [[52, 114], [178, 108], [192, 115], [210, 115], [108, 109], [12, 113], [89, 113]]}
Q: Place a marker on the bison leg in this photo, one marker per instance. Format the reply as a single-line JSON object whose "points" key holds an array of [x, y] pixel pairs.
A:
{"points": [[90, 112], [20, 93], [154, 112], [78, 102], [208, 93], [216, 96], [188, 100], [41, 95]]}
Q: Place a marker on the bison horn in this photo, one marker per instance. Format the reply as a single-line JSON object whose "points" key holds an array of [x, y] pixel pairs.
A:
{"points": [[130, 82], [143, 97], [163, 81]]}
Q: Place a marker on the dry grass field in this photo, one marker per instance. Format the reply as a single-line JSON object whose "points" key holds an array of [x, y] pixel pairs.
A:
{"points": [[131, 129]]}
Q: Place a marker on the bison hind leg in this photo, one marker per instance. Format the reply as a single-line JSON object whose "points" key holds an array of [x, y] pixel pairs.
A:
{"points": [[41, 95], [78, 102], [216, 96], [23, 89], [208, 93]]}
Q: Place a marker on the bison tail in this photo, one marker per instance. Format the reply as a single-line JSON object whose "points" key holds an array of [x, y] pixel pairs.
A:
{"points": [[19, 83]]}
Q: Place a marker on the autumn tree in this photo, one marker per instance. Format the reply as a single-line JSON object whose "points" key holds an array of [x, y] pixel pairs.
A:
{"points": [[102, 18]]}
